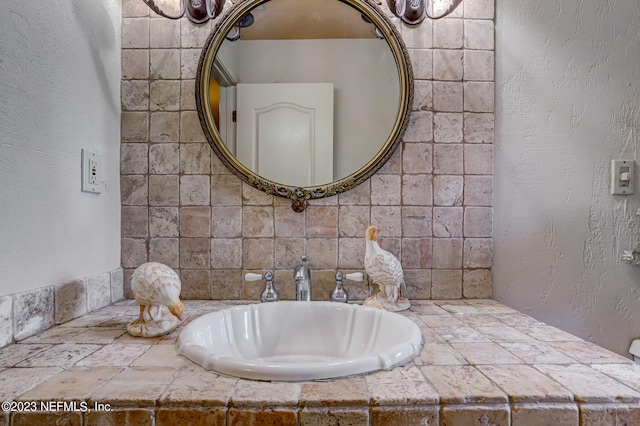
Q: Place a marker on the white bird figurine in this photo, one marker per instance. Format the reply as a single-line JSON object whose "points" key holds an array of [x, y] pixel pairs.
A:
{"points": [[385, 271], [156, 287]]}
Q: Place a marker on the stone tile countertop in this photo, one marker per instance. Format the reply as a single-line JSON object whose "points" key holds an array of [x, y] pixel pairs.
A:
{"points": [[482, 364]]}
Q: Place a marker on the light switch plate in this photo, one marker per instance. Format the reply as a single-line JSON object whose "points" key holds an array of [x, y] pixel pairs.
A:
{"points": [[622, 177]]}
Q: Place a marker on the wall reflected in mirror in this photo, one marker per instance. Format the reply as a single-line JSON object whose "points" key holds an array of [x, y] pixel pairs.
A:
{"points": [[308, 94]]}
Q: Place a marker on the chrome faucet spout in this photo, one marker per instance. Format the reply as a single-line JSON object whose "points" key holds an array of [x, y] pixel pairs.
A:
{"points": [[302, 276]]}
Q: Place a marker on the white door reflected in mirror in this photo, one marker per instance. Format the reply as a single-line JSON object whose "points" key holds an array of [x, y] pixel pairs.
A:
{"points": [[285, 131]]}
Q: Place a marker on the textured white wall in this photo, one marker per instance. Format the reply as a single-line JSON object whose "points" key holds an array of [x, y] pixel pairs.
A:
{"points": [[568, 101], [59, 92]]}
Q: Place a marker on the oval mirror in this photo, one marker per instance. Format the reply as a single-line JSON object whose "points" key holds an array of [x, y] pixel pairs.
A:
{"points": [[304, 99]]}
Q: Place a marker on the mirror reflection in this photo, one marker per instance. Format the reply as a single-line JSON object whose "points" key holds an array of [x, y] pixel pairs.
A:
{"points": [[304, 93]]}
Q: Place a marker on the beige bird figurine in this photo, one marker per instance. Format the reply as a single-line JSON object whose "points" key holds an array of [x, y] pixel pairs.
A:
{"points": [[156, 287], [385, 271]]}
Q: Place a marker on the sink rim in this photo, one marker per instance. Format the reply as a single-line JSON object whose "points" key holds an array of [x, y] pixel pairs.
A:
{"points": [[300, 367]]}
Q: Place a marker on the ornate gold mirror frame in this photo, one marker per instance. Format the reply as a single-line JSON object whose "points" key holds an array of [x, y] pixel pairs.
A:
{"points": [[300, 195]]}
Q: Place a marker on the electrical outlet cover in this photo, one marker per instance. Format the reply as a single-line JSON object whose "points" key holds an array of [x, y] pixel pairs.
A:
{"points": [[91, 171]]}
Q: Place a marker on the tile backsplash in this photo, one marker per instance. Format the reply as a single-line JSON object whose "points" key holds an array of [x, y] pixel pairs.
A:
{"points": [[27, 313], [433, 198]]}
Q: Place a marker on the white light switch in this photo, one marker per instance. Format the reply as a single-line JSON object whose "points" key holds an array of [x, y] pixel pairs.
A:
{"points": [[622, 177]]}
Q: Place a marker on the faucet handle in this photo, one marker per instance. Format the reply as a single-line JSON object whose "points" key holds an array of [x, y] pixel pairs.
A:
{"points": [[269, 294], [249, 276], [354, 276]]}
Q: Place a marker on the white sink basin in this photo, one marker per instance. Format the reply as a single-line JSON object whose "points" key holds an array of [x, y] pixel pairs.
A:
{"points": [[290, 341]]}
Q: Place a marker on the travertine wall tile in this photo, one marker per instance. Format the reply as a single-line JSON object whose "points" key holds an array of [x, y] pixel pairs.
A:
{"points": [[478, 253], [249, 393], [186, 416], [134, 159], [347, 392], [447, 96], [422, 96], [254, 197], [447, 159], [446, 284], [478, 34], [422, 62], [134, 126], [134, 95], [164, 34], [409, 416], [163, 126], [323, 252], [70, 301], [135, 33], [6, 323], [418, 36], [269, 416], [164, 64], [447, 65], [496, 415], [416, 221], [226, 253], [547, 414], [257, 253], [134, 190], [479, 9], [164, 190], [477, 283], [133, 416], [333, 417], [164, 222], [447, 222], [195, 190], [28, 418], [133, 9], [447, 33], [164, 159], [33, 311], [478, 128], [195, 253], [433, 198], [117, 285], [417, 158], [195, 221], [479, 96], [609, 414], [195, 158], [226, 222], [478, 222], [401, 386], [195, 284], [478, 159], [98, 291], [448, 190], [287, 252], [479, 65]]}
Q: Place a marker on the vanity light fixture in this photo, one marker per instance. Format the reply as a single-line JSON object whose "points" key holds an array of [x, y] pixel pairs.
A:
{"points": [[198, 11], [413, 12], [244, 22]]}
